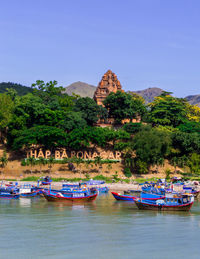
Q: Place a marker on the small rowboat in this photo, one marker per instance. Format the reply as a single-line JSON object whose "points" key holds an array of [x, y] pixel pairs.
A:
{"points": [[69, 197]]}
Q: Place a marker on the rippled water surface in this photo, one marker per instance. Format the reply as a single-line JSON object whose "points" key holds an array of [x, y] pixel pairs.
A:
{"points": [[35, 228]]}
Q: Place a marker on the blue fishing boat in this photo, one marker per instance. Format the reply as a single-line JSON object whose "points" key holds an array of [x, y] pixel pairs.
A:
{"points": [[8, 193], [76, 185], [97, 184], [25, 190], [45, 180], [143, 195], [170, 203], [122, 197], [79, 196], [192, 190]]}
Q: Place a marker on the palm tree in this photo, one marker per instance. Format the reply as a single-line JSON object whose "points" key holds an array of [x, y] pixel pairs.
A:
{"points": [[78, 161], [4, 160], [109, 166], [50, 163], [159, 161], [98, 162], [88, 163], [32, 162], [175, 163], [42, 162]]}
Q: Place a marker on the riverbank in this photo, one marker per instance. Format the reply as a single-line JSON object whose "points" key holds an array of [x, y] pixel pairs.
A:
{"points": [[117, 186]]}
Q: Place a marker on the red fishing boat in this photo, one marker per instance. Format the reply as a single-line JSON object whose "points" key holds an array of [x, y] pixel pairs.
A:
{"points": [[69, 197]]}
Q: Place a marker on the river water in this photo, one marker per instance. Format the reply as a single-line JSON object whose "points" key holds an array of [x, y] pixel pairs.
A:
{"points": [[35, 228]]}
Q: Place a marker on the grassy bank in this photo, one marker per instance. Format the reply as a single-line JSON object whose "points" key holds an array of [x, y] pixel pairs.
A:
{"points": [[114, 178]]}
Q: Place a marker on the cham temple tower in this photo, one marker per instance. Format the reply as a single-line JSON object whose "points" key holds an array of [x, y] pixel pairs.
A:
{"points": [[108, 84]]}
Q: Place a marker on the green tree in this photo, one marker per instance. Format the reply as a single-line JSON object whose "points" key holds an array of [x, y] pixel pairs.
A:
{"points": [[190, 127], [150, 146], [98, 162], [193, 163], [47, 136], [6, 113], [32, 162], [42, 162], [89, 109], [50, 162], [186, 143], [72, 120], [132, 128], [50, 88], [174, 162], [4, 160], [122, 106], [167, 110], [78, 162]]}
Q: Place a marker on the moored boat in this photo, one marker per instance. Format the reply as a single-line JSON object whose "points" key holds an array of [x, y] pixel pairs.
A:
{"points": [[170, 203], [82, 196], [122, 197], [143, 195], [45, 180], [8, 193]]}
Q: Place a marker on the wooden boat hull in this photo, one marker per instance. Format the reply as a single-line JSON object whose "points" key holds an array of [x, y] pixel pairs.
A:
{"points": [[120, 197], [30, 194], [125, 197], [146, 206], [9, 196], [55, 198]]}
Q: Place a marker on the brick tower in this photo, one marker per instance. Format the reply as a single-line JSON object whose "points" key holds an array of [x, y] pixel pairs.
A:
{"points": [[108, 84]]}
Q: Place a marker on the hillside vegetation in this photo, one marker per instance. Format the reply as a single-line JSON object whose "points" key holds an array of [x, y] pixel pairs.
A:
{"points": [[46, 118], [20, 89]]}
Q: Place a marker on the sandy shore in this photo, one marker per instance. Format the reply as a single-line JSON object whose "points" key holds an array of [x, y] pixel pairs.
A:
{"points": [[111, 186]]}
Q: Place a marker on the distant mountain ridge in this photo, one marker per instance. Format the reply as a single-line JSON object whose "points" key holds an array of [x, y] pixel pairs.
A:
{"points": [[81, 88], [84, 90], [150, 93], [193, 99]]}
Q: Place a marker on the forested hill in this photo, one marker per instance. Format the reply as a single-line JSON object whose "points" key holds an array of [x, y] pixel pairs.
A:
{"points": [[20, 89]]}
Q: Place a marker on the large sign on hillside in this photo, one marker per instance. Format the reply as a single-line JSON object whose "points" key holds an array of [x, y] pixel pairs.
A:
{"points": [[62, 154]]}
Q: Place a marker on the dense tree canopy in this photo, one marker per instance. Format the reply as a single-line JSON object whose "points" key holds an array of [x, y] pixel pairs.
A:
{"points": [[122, 106], [151, 145], [90, 110], [168, 110], [48, 117]]}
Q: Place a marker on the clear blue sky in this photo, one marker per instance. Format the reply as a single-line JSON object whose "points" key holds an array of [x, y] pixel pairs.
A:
{"points": [[147, 43]]}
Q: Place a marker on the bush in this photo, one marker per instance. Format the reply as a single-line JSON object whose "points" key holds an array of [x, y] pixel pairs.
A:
{"points": [[132, 127], [24, 162], [127, 172], [142, 167], [167, 173]]}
